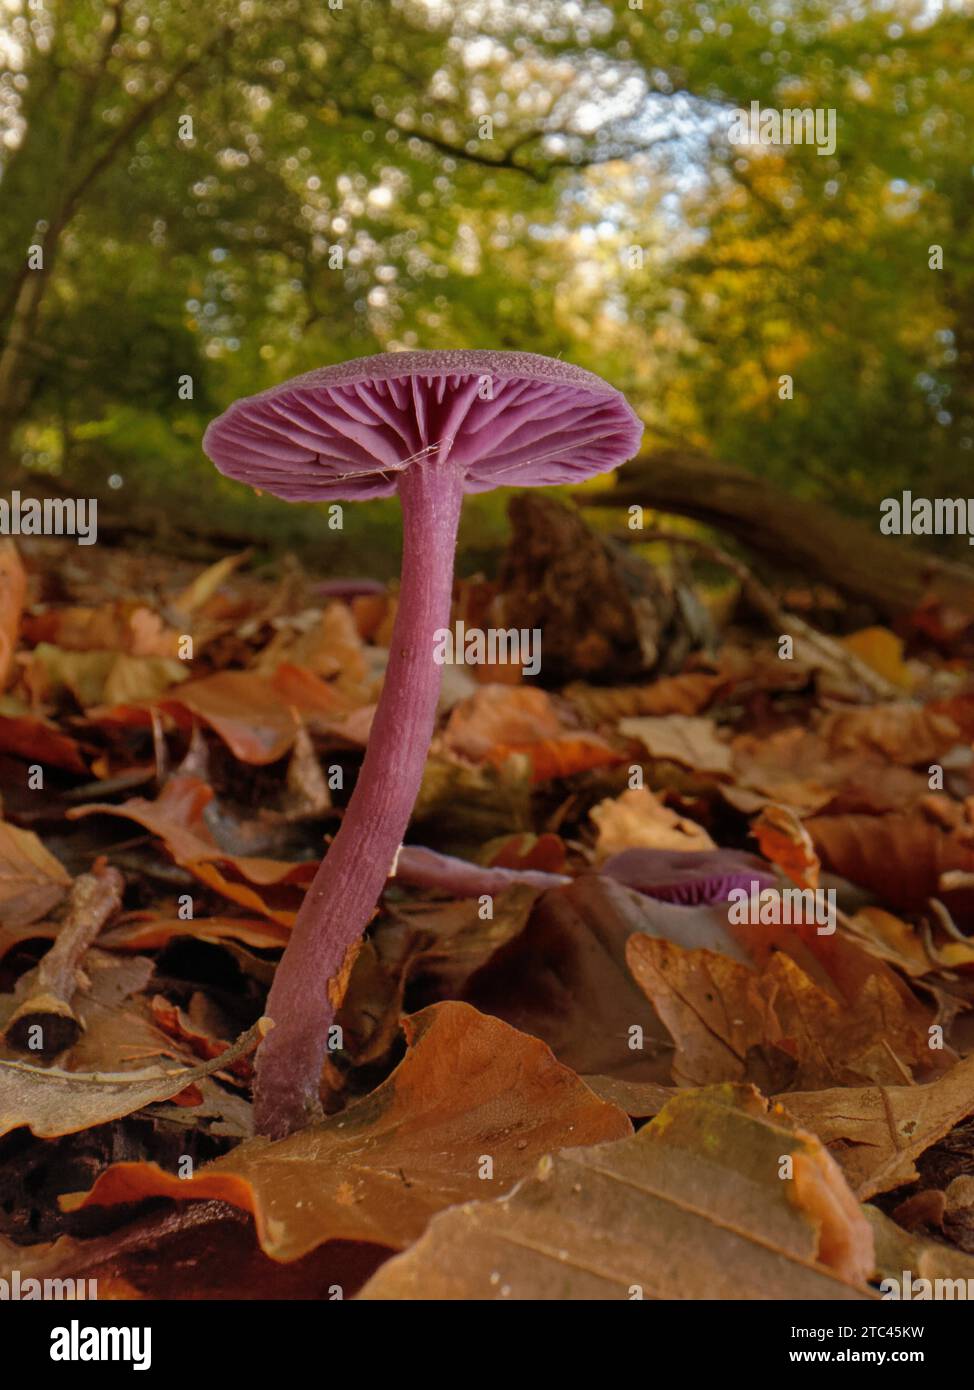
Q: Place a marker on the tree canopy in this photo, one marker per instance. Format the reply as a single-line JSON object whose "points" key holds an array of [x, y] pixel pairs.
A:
{"points": [[196, 203]]}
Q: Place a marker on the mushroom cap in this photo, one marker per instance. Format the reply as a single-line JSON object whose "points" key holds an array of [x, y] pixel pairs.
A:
{"points": [[503, 419]]}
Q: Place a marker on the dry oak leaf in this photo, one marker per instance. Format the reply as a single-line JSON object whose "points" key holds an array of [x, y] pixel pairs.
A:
{"points": [[468, 1086], [638, 820], [678, 738], [691, 1207], [877, 1132], [51, 1102], [32, 881], [729, 1021]]}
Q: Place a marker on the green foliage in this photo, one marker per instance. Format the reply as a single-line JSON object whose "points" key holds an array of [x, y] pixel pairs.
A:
{"points": [[601, 214]]}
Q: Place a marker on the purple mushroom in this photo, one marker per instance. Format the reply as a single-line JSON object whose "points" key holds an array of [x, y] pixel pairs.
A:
{"points": [[688, 877], [430, 426]]}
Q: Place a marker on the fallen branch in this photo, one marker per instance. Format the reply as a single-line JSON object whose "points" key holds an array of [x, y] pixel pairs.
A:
{"points": [[812, 539], [46, 1023]]}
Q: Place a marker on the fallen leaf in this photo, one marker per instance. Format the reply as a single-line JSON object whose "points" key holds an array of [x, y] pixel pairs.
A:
{"points": [[898, 857], [94, 677], [501, 717], [692, 742], [876, 1133], [882, 651], [51, 1102], [150, 931], [636, 819], [686, 694], [909, 734], [901, 1257], [36, 740], [564, 978], [784, 840], [32, 881], [468, 1088], [177, 818], [691, 1207], [207, 582], [774, 1027]]}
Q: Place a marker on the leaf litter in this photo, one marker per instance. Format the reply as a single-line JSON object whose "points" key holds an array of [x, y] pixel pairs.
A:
{"points": [[553, 960]]}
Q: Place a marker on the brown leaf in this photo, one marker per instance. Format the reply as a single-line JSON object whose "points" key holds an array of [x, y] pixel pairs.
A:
{"points": [[501, 717], [94, 677], [198, 1250], [909, 734], [691, 742], [789, 767], [877, 1132], [51, 1102], [32, 881], [899, 857], [774, 1026], [176, 817], [897, 941], [686, 694], [691, 1207], [564, 978], [207, 582], [36, 740], [468, 1088], [150, 931]]}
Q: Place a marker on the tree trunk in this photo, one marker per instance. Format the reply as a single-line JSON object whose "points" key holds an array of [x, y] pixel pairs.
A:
{"points": [[810, 538]]}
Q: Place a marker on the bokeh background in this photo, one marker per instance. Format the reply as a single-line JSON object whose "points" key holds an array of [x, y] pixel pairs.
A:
{"points": [[235, 191]]}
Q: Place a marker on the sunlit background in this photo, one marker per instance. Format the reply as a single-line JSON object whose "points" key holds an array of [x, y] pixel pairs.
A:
{"points": [[225, 194]]}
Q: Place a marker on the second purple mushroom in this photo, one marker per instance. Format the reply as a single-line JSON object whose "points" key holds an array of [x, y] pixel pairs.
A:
{"points": [[431, 426]]}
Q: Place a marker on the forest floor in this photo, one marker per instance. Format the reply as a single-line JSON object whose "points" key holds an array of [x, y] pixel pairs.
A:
{"points": [[593, 1040]]}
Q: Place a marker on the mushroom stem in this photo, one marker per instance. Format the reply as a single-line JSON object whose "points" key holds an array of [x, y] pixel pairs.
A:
{"points": [[350, 878]]}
